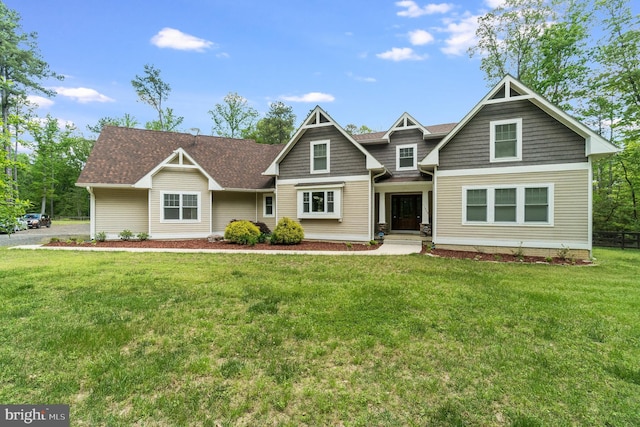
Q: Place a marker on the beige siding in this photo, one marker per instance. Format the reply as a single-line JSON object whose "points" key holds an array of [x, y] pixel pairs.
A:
{"points": [[355, 214], [571, 220], [117, 210], [270, 221], [230, 206], [169, 180]]}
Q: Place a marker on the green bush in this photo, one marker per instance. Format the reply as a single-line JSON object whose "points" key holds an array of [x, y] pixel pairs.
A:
{"points": [[142, 236], [287, 232], [125, 235], [101, 236], [242, 232]]}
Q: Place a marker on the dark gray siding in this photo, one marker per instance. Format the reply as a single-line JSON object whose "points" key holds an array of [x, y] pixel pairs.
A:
{"points": [[544, 139], [386, 153], [345, 158]]}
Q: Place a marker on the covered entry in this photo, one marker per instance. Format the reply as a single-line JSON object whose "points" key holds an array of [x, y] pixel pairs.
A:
{"points": [[406, 212]]}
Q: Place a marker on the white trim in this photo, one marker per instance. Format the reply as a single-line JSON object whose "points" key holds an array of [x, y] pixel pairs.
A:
{"points": [[337, 202], [414, 165], [181, 194], [264, 206], [590, 210], [538, 244], [560, 167], [92, 213], [492, 140], [520, 205], [403, 124], [312, 146], [323, 180]]}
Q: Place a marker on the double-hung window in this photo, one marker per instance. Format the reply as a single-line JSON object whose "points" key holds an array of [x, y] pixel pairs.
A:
{"points": [[180, 206], [268, 206], [322, 202], [506, 140], [509, 205], [407, 157], [320, 156]]}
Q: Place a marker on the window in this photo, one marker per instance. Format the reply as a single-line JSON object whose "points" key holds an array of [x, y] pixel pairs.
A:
{"points": [[180, 206], [477, 205], [516, 205], [320, 158], [268, 206], [407, 157], [319, 203], [506, 140]]}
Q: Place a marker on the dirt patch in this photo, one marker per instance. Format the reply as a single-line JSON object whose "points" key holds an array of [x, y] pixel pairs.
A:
{"points": [[444, 253], [205, 244]]}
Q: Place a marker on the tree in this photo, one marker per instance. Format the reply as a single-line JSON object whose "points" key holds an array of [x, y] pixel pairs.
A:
{"points": [[352, 129], [152, 90], [234, 117], [126, 121], [278, 125]]}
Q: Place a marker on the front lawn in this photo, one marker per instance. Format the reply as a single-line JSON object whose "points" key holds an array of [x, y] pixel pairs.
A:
{"points": [[224, 339]]}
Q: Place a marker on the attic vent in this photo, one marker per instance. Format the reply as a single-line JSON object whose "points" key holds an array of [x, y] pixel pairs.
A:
{"points": [[500, 94]]}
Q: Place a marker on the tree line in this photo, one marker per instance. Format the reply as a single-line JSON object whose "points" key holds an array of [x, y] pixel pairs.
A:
{"points": [[582, 55]]}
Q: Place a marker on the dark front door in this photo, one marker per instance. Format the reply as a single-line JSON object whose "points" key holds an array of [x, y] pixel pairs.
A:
{"points": [[406, 211]]}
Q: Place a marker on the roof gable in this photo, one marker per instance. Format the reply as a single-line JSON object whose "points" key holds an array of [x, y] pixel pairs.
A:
{"points": [[510, 89], [319, 118], [405, 122]]}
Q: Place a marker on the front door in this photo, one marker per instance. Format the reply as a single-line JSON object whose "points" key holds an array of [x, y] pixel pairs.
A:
{"points": [[406, 212]]}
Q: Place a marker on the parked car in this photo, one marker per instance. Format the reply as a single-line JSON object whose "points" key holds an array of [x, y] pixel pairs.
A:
{"points": [[36, 220], [21, 224], [18, 225]]}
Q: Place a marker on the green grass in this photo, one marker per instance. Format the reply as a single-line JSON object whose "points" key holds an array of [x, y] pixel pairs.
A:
{"points": [[201, 339]]}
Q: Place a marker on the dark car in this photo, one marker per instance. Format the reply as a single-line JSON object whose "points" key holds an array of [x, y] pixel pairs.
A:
{"points": [[36, 220]]}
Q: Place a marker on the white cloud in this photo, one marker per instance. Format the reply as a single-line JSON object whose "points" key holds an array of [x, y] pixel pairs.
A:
{"points": [[310, 97], [494, 3], [82, 94], [176, 39], [361, 78], [462, 35], [401, 54], [223, 55], [420, 37], [412, 10], [40, 101]]}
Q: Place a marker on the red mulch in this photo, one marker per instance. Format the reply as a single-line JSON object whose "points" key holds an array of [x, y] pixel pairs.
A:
{"points": [[205, 244], [444, 253]]}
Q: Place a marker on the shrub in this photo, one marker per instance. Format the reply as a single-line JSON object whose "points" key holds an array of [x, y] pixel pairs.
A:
{"points": [[287, 232], [242, 232], [101, 236], [125, 235], [142, 236]]}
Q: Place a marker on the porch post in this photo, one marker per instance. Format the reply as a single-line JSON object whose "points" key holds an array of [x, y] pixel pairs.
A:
{"points": [[425, 206], [382, 209]]}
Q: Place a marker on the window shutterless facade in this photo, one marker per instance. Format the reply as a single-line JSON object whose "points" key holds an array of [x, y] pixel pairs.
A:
{"points": [[320, 156], [179, 206], [407, 157], [506, 140], [508, 205], [320, 203], [268, 211]]}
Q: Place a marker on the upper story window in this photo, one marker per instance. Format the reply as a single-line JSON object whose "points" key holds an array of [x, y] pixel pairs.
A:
{"points": [[407, 157], [180, 206], [268, 206], [320, 156], [506, 140]]}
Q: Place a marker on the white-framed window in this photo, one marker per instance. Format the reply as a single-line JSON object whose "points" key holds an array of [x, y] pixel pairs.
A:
{"points": [[508, 205], [320, 156], [320, 202], [407, 157], [268, 208], [180, 206], [506, 140]]}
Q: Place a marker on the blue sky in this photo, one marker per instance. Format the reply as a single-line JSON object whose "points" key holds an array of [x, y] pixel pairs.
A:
{"points": [[364, 62]]}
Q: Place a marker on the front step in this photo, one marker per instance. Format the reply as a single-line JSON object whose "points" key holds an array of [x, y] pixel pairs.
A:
{"points": [[405, 239]]}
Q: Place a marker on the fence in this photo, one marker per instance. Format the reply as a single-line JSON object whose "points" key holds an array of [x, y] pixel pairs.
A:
{"points": [[616, 239]]}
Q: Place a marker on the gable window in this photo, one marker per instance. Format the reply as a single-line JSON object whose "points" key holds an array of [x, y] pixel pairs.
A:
{"points": [[320, 202], [506, 140], [320, 158], [180, 206], [515, 205], [407, 157], [268, 206]]}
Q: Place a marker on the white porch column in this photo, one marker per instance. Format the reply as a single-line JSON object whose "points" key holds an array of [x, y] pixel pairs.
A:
{"points": [[382, 209], [425, 206]]}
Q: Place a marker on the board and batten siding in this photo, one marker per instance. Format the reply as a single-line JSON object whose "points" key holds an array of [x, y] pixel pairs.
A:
{"points": [[355, 214], [228, 206], [344, 157], [544, 139], [121, 209], [571, 207], [183, 180]]}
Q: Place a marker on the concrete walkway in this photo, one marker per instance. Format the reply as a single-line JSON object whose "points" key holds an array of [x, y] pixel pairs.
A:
{"points": [[389, 248]]}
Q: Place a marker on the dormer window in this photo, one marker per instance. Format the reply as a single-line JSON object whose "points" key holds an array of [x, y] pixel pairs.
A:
{"points": [[320, 156], [407, 157], [506, 140]]}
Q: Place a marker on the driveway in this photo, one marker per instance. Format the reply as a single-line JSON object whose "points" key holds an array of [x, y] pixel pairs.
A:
{"points": [[35, 236]]}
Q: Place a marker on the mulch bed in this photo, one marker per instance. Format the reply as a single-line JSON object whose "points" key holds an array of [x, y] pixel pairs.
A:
{"points": [[444, 253]]}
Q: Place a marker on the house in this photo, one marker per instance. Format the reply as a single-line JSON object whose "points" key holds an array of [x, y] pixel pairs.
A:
{"points": [[513, 175]]}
